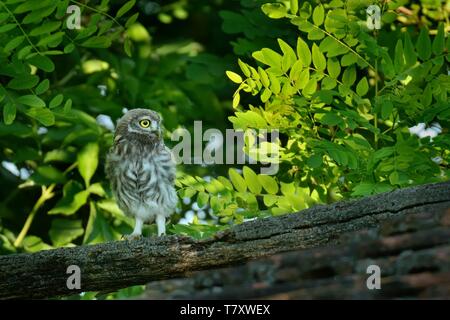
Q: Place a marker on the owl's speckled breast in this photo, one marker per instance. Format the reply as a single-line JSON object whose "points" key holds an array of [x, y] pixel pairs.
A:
{"points": [[142, 180]]}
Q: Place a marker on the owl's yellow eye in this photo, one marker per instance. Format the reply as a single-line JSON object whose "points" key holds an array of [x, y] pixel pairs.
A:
{"points": [[144, 123]]}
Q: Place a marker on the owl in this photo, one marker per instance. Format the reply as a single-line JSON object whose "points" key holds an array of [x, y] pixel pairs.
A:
{"points": [[141, 171]]}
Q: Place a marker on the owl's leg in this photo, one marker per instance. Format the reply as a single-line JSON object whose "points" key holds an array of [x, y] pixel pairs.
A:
{"points": [[161, 224], [137, 232]]}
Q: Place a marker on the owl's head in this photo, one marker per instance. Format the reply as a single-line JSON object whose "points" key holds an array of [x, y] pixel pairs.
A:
{"points": [[141, 125]]}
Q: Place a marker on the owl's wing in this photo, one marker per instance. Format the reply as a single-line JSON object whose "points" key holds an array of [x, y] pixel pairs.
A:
{"points": [[169, 163]]}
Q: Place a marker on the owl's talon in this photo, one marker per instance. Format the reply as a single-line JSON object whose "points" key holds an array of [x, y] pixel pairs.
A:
{"points": [[130, 237]]}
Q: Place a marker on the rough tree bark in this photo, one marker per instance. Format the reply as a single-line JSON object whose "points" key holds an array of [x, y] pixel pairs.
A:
{"points": [[412, 253], [339, 239]]}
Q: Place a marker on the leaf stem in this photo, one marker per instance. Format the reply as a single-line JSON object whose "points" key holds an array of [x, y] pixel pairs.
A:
{"points": [[345, 45], [375, 116], [46, 194]]}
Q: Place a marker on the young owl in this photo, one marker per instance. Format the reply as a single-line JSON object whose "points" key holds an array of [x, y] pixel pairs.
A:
{"points": [[141, 171]]}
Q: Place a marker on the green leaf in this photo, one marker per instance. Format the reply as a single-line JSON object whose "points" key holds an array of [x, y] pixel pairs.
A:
{"points": [[244, 68], [97, 189], [14, 43], [251, 179], [269, 183], [131, 20], [296, 69], [275, 85], [439, 40], [58, 155], [310, 87], [270, 200], [264, 77], [387, 65], [399, 58], [23, 52], [423, 44], [88, 161], [294, 6], [315, 161], [318, 15], [409, 51], [3, 17], [53, 39], [97, 42], [237, 180], [334, 68], [289, 56], [427, 96], [42, 87], [349, 76], [349, 59], [42, 62], [303, 79], [316, 34], [331, 119], [34, 244], [202, 199], [234, 76], [332, 47], [127, 47], [7, 27], [69, 48], [31, 100], [67, 106], [125, 8], [56, 101], [23, 82], [287, 188], [386, 109], [109, 205], [74, 197], [45, 28], [98, 229], [318, 58], [265, 96], [363, 87], [63, 231], [30, 6], [303, 52], [394, 177], [274, 10], [236, 99], [9, 113], [45, 175], [43, 115], [272, 58], [363, 189], [328, 83]]}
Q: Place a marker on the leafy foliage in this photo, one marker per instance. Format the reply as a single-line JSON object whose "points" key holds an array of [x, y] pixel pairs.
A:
{"points": [[342, 97]]}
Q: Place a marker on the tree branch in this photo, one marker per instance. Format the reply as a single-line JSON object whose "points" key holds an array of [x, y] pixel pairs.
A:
{"points": [[114, 265]]}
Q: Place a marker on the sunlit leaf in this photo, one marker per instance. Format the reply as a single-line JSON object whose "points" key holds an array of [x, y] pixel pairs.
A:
{"points": [[88, 161], [63, 231]]}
